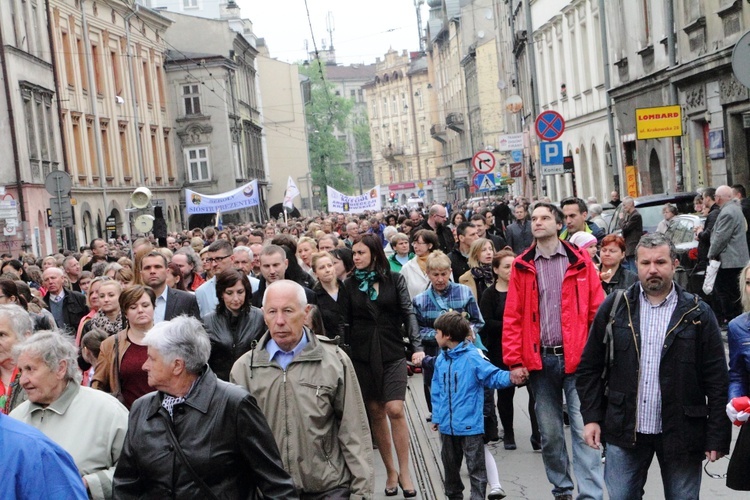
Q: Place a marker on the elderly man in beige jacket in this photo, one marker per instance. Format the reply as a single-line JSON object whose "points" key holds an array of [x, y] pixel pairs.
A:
{"points": [[307, 389]]}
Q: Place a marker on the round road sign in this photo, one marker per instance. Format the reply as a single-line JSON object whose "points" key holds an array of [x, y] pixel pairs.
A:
{"points": [[741, 60], [549, 125], [58, 181], [483, 162]]}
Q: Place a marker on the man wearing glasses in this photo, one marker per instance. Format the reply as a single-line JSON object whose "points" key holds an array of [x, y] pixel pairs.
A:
{"points": [[220, 258], [437, 221]]}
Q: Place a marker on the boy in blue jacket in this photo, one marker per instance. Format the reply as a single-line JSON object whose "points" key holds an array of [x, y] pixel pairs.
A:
{"points": [[461, 374]]}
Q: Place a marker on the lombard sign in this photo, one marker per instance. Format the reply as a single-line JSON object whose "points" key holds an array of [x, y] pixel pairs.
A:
{"points": [[659, 122]]}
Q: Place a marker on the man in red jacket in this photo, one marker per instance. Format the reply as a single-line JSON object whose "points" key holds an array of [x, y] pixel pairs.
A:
{"points": [[552, 299]]}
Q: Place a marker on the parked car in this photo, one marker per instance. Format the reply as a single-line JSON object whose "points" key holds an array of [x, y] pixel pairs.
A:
{"points": [[650, 209]]}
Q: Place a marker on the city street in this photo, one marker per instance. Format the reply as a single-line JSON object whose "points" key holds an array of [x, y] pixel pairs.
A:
{"points": [[521, 471]]}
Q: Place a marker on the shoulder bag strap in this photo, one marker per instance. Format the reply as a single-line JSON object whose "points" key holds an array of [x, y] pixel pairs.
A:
{"points": [[181, 454], [609, 343]]}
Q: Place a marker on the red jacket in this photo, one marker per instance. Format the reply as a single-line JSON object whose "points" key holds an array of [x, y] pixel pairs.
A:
{"points": [[581, 295]]}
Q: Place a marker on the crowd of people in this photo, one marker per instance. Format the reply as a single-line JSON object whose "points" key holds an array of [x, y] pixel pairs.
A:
{"points": [[273, 359]]}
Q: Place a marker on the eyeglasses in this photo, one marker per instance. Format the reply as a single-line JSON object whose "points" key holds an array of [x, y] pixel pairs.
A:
{"points": [[217, 259]]}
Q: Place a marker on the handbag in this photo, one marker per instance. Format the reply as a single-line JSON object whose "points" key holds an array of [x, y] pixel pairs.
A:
{"points": [[118, 393], [711, 271]]}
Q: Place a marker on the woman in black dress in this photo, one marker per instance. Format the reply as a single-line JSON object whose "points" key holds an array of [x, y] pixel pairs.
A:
{"points": [[380, 314], [329, 292], [492, 306]]}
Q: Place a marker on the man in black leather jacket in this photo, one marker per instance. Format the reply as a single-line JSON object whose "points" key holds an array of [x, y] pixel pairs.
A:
{"points": [[665, 381], [227, 447]]}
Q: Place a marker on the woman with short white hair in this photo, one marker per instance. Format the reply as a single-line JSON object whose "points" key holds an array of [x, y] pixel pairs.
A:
{"points": [[224, 439], [15, 326], [88, 424]]}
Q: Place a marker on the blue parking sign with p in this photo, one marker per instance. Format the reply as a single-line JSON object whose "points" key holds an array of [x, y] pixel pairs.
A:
{"points": [[551, 153]]}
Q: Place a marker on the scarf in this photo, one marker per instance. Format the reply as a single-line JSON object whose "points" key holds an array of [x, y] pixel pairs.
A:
{"points": [[367, 280], [483, 273], [101, 322], [422, 261]]}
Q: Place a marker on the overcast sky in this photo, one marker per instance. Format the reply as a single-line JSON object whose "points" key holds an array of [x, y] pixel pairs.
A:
{"points": [[362, 30]]}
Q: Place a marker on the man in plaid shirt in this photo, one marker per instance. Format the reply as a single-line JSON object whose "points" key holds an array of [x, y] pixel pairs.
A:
{"points": [[441, 296]]}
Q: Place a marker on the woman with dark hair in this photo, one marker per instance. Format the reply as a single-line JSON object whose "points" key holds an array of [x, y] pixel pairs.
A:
{"points": [[613, 274], [343, 262], [380, 315], [328, 291], [492, 306], [174, 277], [415, 271], [119, 368], [235, 323], [18, 292]]}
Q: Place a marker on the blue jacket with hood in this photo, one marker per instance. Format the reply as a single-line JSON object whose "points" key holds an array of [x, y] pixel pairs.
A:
{"points": [[461, 374]]}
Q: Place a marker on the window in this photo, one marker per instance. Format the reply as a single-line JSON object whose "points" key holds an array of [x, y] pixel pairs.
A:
{"points": [[68, 57], [116, 72], [82, 64], [192, 99], [168, 156], [692, 10], [189, 4], [422, 134], [353, 94], [198, 166]]}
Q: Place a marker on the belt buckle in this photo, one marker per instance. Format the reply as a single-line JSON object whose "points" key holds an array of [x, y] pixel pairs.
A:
{"points": [[557, 350]]}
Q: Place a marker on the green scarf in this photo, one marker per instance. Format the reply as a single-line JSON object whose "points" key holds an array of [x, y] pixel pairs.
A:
{"points": [[367, 280]]}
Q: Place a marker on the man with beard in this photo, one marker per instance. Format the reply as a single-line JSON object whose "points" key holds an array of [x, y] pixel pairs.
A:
{"points": [[437, 221], [659, 358]]}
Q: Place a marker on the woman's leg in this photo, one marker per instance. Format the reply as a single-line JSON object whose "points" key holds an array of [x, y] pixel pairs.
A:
{"points": [[382, 436], [395, 411]]}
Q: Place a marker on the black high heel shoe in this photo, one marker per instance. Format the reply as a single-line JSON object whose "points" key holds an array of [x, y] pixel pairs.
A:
{"points": [[392, 492], [407, 493]]}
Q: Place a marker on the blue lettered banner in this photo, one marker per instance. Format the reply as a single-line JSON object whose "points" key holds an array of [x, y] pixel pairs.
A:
{"points": [[342, 203], [237, 199]]}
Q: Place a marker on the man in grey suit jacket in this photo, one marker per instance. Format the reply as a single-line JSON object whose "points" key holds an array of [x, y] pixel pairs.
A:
{"points": [[170, 303], [728, 245]]}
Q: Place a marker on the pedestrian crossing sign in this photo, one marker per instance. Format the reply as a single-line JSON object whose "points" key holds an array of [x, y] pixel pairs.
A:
{"points": [[485, 182]]}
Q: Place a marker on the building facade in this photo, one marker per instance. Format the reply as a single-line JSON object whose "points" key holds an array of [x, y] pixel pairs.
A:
{"points": [[29, 133], [214, 98], [404, 156], [284, 128], [115, 121]]}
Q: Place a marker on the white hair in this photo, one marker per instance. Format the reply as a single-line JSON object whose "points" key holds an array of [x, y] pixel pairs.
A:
{"points": [[298, 290], [243, 248], [20, 320], [53, 347], [181, 338]]}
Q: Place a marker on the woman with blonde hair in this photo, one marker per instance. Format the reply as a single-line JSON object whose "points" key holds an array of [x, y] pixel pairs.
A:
{"points": [[306, 247], [479, 277]]}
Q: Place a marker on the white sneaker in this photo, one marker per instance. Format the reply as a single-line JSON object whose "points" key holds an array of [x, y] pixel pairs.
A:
{"points": [[496, 493]]}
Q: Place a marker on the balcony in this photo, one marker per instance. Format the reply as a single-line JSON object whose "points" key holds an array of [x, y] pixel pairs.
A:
{"points": [[438, 133], [390, 152], [455, 121]]}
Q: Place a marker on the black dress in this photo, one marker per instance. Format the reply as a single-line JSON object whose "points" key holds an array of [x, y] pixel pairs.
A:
{"points": [[332, 311]]}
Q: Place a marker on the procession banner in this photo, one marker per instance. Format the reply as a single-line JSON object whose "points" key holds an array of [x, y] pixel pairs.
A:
{"points": [[243, 197], [291, 192], [342, 203]]}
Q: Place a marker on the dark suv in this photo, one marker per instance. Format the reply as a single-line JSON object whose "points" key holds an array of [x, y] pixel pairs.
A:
{"points": [[650, 209]]}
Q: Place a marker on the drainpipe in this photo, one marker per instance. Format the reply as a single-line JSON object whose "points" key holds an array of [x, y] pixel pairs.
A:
{"points": [[607, 86], [414, 126], [672, 53], [532, 76], [95, 110], [134, 96], [13, 137]]}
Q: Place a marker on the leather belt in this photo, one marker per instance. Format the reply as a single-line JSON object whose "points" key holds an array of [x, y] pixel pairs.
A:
{"points": [[553, 350]]}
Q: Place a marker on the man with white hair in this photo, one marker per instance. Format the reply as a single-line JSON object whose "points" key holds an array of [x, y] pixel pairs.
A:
{"points": [[729, 246], [67, 307], [243, 261], [323, 432], [194, 414]]}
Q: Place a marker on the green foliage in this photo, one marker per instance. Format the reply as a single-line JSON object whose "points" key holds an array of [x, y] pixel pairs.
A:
{"points": [[325, 113]]}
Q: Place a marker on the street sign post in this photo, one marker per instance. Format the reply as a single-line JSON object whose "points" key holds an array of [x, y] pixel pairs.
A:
{"points": [[58, 184], [551, 153], [483, 162], [549, 125]]}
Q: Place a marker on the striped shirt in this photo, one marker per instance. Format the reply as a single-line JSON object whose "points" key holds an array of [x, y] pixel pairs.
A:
{"points": [[654, 324], [550, 272]]}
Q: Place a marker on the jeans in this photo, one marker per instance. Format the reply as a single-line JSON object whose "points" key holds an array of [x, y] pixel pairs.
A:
{"points": [[548, 386], [627, 469], [453, 450]]}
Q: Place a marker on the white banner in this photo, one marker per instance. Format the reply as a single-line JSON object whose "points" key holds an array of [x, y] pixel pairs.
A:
{"points": [[342, 203], [510, 142], [290, 193], [236, 199]]}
